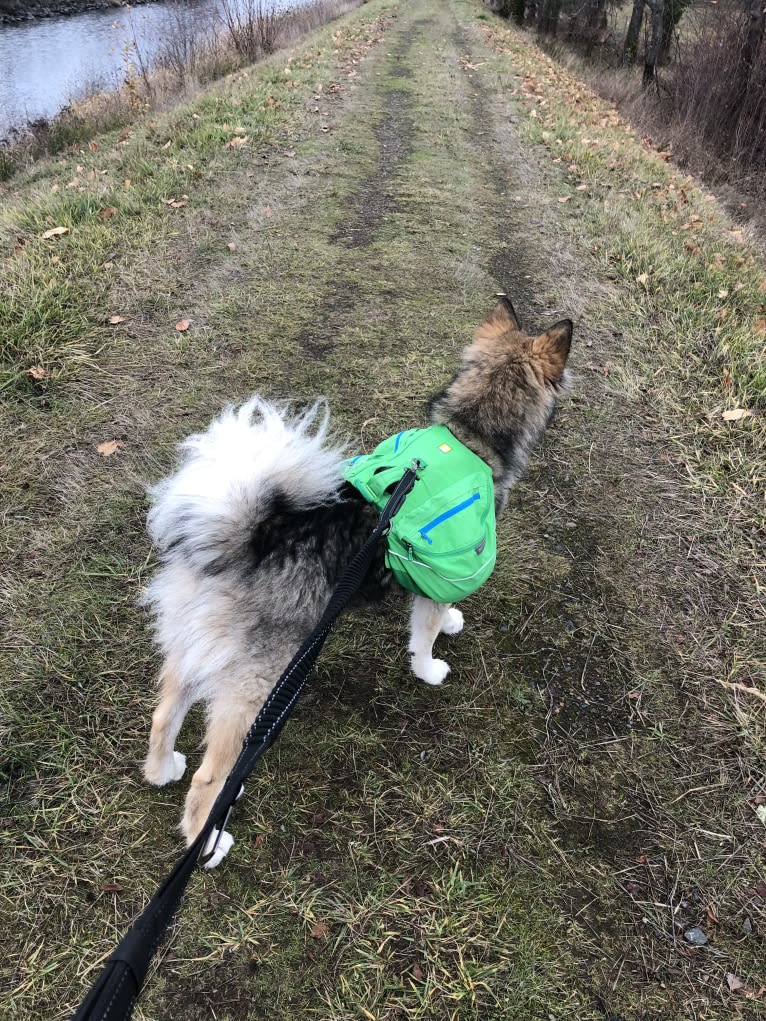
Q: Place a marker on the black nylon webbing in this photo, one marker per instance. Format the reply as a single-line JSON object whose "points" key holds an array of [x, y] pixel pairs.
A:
{"points": [[114, 993]]}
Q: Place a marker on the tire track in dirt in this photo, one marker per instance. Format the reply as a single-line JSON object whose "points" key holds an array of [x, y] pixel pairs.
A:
{"points": [[580, 674], [372, 202]]}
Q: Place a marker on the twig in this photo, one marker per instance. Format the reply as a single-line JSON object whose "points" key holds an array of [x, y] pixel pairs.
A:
{"points": [[736, 686]]}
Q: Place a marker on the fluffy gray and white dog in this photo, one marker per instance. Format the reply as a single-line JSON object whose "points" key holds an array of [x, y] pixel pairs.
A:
{"points": [[257, 525]]}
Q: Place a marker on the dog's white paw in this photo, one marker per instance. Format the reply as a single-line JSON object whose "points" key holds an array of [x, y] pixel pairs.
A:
{"points": [[452, 622], [168, 771], [432, 671], [224, 846]]}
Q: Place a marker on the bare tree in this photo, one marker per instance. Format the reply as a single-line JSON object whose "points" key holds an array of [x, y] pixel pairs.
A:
{"points": [[548, 17], [674, 9], [595, 23], [652, 55], [630, 49], [755, 33], [517, 10]]}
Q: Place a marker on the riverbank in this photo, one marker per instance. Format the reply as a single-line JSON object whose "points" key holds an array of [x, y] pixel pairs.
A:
{"points": [[14, 12], [572, 826], [191, 56]]}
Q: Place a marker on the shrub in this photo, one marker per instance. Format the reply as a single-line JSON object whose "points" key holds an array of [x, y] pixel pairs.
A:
{"points": [[718, 91], [253, 27]]}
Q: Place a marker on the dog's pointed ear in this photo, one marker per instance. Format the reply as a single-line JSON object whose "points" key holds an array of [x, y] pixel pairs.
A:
{"points": [[552, 349], [498, 320]]}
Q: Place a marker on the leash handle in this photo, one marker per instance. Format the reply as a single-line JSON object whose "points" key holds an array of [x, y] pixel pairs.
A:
{"points": [[114, 993]]}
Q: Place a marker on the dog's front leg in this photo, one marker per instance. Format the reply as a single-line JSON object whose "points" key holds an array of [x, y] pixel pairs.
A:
{"points": [[427, 620], [163, 763]]}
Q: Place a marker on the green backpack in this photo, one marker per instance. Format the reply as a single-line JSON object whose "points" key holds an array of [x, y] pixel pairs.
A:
{"points": [[442, 542]]}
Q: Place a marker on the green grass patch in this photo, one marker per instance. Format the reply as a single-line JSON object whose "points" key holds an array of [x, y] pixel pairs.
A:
{"points": [[531, 840]]}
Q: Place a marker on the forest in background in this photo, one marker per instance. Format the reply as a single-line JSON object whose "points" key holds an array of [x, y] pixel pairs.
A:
{"points": [[693, 74]]}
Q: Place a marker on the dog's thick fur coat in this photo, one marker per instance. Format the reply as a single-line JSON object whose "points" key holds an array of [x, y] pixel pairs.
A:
{"points": [[257, 525]]}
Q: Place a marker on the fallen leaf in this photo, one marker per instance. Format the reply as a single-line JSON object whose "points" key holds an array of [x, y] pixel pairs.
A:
{"points": [[114, 320], [267, 211], [93, 146], [166, 145], [733, 982], [319, 930], [761, 813], [417, 972], [643, 278], [723, 293], [183, 325], [106, 213], [109, 447], [231, 246], [36, 372], [564, 198], [108, 265], [289, 153], [736, 414], [260, 840], [760, 327], [712, 917], [111, 888], [55, 232]]}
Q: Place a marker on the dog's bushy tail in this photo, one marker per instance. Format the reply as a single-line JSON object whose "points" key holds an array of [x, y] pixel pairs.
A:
{"points": [[249, 461]]}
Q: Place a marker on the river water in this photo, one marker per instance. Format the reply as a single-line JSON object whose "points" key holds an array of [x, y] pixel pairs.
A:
{"points": [[48, 62]]}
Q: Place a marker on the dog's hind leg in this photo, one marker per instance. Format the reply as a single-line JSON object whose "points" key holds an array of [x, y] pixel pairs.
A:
{"points": [[228, 723], [163, 763], [452, 621], [427, 620]]}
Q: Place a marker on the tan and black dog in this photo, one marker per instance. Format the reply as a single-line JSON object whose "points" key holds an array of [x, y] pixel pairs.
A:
{"points": [[257, 525]]}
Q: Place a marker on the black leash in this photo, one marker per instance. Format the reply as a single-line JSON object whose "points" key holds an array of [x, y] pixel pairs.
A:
{"points": [[114, 993]]}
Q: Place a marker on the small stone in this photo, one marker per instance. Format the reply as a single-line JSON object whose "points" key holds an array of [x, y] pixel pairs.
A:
{"points": [[695, 936], [747, 925]]}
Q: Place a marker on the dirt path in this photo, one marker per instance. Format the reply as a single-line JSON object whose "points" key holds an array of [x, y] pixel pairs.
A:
{"points": [[533, 840]]}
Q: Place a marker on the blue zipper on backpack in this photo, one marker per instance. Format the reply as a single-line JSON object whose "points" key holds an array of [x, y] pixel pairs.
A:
{"points": [[423, 532]]}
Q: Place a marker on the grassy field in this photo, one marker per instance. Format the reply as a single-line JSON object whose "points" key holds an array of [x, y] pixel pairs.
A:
{"points": [[535, 839]]}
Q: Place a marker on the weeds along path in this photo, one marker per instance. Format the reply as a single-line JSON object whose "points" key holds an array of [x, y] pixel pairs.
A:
{"points": [[534, 839]]}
